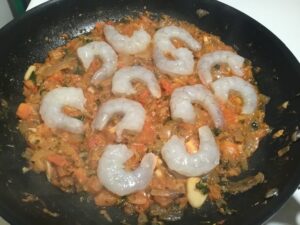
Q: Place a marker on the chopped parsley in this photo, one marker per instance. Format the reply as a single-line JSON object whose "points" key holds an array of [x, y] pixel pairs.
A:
{"points": [[202, 187], [81, 117], [217, 66], [217, 131]]}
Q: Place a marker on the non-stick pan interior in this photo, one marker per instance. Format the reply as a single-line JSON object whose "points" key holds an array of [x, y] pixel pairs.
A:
{"points": [[28, 39]]}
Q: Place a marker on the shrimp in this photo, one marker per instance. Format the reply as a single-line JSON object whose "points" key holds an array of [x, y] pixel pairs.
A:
{"points": [[133, 119], [52, 104], [116, 179], [224, 85], [138, 42], [108, 56], [183, 63], [182, 108], [121, 82], [190, 165], [207, 61]]}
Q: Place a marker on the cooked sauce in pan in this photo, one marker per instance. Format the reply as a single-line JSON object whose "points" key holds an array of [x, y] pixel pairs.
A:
{"points": [[149, 115]]}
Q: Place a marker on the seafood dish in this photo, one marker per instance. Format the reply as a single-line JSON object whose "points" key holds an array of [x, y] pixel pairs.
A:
{"points": [[150, 115]]}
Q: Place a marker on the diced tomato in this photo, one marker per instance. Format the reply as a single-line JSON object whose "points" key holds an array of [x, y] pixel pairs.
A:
{"points": [[24, 111], [166, 86], [57, 159]]}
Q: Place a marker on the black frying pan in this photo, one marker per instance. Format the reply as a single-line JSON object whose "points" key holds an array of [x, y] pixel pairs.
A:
{"points": [[28, 39]]}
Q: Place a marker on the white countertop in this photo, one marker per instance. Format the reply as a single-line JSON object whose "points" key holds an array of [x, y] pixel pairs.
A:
{"points": [[282, 17]]}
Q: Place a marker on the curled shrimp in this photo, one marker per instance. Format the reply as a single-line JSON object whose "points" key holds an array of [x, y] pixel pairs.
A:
{"points": [[105, 52], [182, 100], [183, 62], [207, 61], [133, 115], [116, 179], [204, 160], [53, 103], [138, 42], [223, 86], [121, 83]]}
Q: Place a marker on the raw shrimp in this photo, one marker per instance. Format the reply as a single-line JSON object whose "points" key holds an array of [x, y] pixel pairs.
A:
{"points": [[105, 52], [121, 83], [204, 160], [133, 115], [223, 86], [53, 103], [182, 100], [207, 61], [183, 62], [138, 42], [116, 179]]}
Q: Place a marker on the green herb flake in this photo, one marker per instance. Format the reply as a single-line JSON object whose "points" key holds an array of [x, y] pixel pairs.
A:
{"points": [[202, 187], [67, 52], [87, 40], [81, 117], [217, 131], [122, 200], [168, 119], [79, 70], [217, 66]]}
